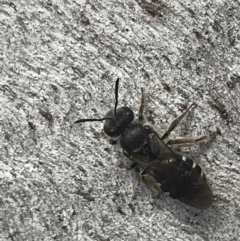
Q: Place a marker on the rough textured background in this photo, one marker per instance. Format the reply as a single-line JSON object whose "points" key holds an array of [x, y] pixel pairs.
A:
{"points": [[59, 62]]}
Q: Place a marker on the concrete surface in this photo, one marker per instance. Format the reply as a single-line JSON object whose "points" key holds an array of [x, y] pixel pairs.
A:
{"points": [[59, 61]]}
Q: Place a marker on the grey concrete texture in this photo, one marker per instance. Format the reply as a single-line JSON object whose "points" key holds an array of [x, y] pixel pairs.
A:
{"points": [[59, 61]]}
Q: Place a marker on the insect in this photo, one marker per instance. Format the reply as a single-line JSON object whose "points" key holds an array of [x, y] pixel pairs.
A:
{"points": [[163, 169]]}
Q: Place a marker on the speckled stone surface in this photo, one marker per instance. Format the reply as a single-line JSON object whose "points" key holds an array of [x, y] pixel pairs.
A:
{"points": [[59, 61]]}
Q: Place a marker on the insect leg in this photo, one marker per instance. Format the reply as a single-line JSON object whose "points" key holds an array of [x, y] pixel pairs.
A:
{"points": [[128, 164], [142, 105], [177, 121], [150, 181], [109, 139], [188, 141]]}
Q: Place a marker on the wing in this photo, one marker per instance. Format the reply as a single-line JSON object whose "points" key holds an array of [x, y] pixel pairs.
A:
{"points": [[178, 175]]}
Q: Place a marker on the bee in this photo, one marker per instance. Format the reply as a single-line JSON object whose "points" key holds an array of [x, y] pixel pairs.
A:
{"points": [[162, 168]]}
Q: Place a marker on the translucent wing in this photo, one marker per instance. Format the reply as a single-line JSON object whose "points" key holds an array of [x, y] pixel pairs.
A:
{"points": [[177, 175]]}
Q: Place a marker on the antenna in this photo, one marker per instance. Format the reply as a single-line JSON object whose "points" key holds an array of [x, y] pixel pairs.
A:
{"points": [[116, 95], [86, 120], [115, 108]]}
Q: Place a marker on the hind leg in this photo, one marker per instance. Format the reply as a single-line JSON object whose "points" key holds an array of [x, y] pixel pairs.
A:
{"points": [[188, 141], [177, 121]]}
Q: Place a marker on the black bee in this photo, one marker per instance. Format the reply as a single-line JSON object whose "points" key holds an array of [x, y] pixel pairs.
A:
{"points": [[162, 168]]}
